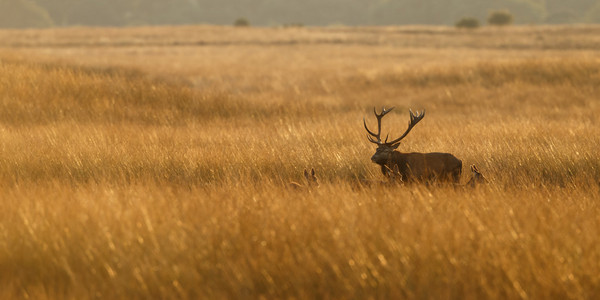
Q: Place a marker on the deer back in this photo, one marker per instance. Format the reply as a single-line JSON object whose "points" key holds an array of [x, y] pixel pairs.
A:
{"points": [[427, 166]]}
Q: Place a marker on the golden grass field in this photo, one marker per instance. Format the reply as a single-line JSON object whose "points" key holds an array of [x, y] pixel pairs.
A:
{"points": [[154, 163]]}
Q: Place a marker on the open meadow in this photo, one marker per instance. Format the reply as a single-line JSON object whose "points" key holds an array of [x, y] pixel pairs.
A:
{"points": [[154, 163]]}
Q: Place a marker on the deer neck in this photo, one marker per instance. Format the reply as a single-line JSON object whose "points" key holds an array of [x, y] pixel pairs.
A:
{"points": [[388, 163], [396, 158]]}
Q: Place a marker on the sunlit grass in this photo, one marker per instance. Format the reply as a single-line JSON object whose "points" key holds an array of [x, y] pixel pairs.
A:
{"points": [[121, 183]]}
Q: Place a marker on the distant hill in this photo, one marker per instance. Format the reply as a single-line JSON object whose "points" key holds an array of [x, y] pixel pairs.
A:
{"points": [[47, 13]]}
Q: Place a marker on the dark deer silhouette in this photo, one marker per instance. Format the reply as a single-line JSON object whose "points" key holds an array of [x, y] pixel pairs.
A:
{"points": [[423, 167]]}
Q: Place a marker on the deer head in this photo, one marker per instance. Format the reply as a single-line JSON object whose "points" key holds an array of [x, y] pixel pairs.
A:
{"points": [[477, 178], [385, 148], [311, 180]]}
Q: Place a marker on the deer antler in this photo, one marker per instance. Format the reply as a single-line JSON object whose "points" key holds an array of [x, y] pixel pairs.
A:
{"points": [[414, 119], [378, 134]]}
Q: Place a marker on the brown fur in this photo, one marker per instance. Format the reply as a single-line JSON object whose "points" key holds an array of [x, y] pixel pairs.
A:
{"points": [[477, 178], [425, 167]]}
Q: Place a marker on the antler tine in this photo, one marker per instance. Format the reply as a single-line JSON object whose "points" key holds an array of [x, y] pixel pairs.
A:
{"points": [[379, 117], [419, 116], [379, 122], [377, 135], [414, 119], [383, 112], [367, 128], [372, 140]]}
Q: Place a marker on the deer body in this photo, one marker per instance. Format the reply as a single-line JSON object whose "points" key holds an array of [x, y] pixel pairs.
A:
{"points": [[423, 166], [414, 166]]}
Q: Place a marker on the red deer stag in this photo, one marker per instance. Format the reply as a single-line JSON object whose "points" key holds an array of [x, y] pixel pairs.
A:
{"points": [[424, 167]]}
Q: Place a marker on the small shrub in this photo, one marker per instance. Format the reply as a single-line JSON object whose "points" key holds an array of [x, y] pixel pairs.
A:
{"points": [[500, 18], [241, 22], [467, 22]]}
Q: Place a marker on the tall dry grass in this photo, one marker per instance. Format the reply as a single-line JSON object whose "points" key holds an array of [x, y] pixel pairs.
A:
{"points": [[167, 177]]}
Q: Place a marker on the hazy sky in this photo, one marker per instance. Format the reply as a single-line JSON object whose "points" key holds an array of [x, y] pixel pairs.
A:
{"points": [[44, 13]]}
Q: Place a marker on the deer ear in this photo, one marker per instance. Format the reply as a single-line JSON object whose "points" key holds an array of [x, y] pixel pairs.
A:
{"points": [[305, 173], [395, 146], [312, 171]]}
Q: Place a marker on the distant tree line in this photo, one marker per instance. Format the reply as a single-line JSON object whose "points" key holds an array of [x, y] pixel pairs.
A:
{"points": [[48, 13]]}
